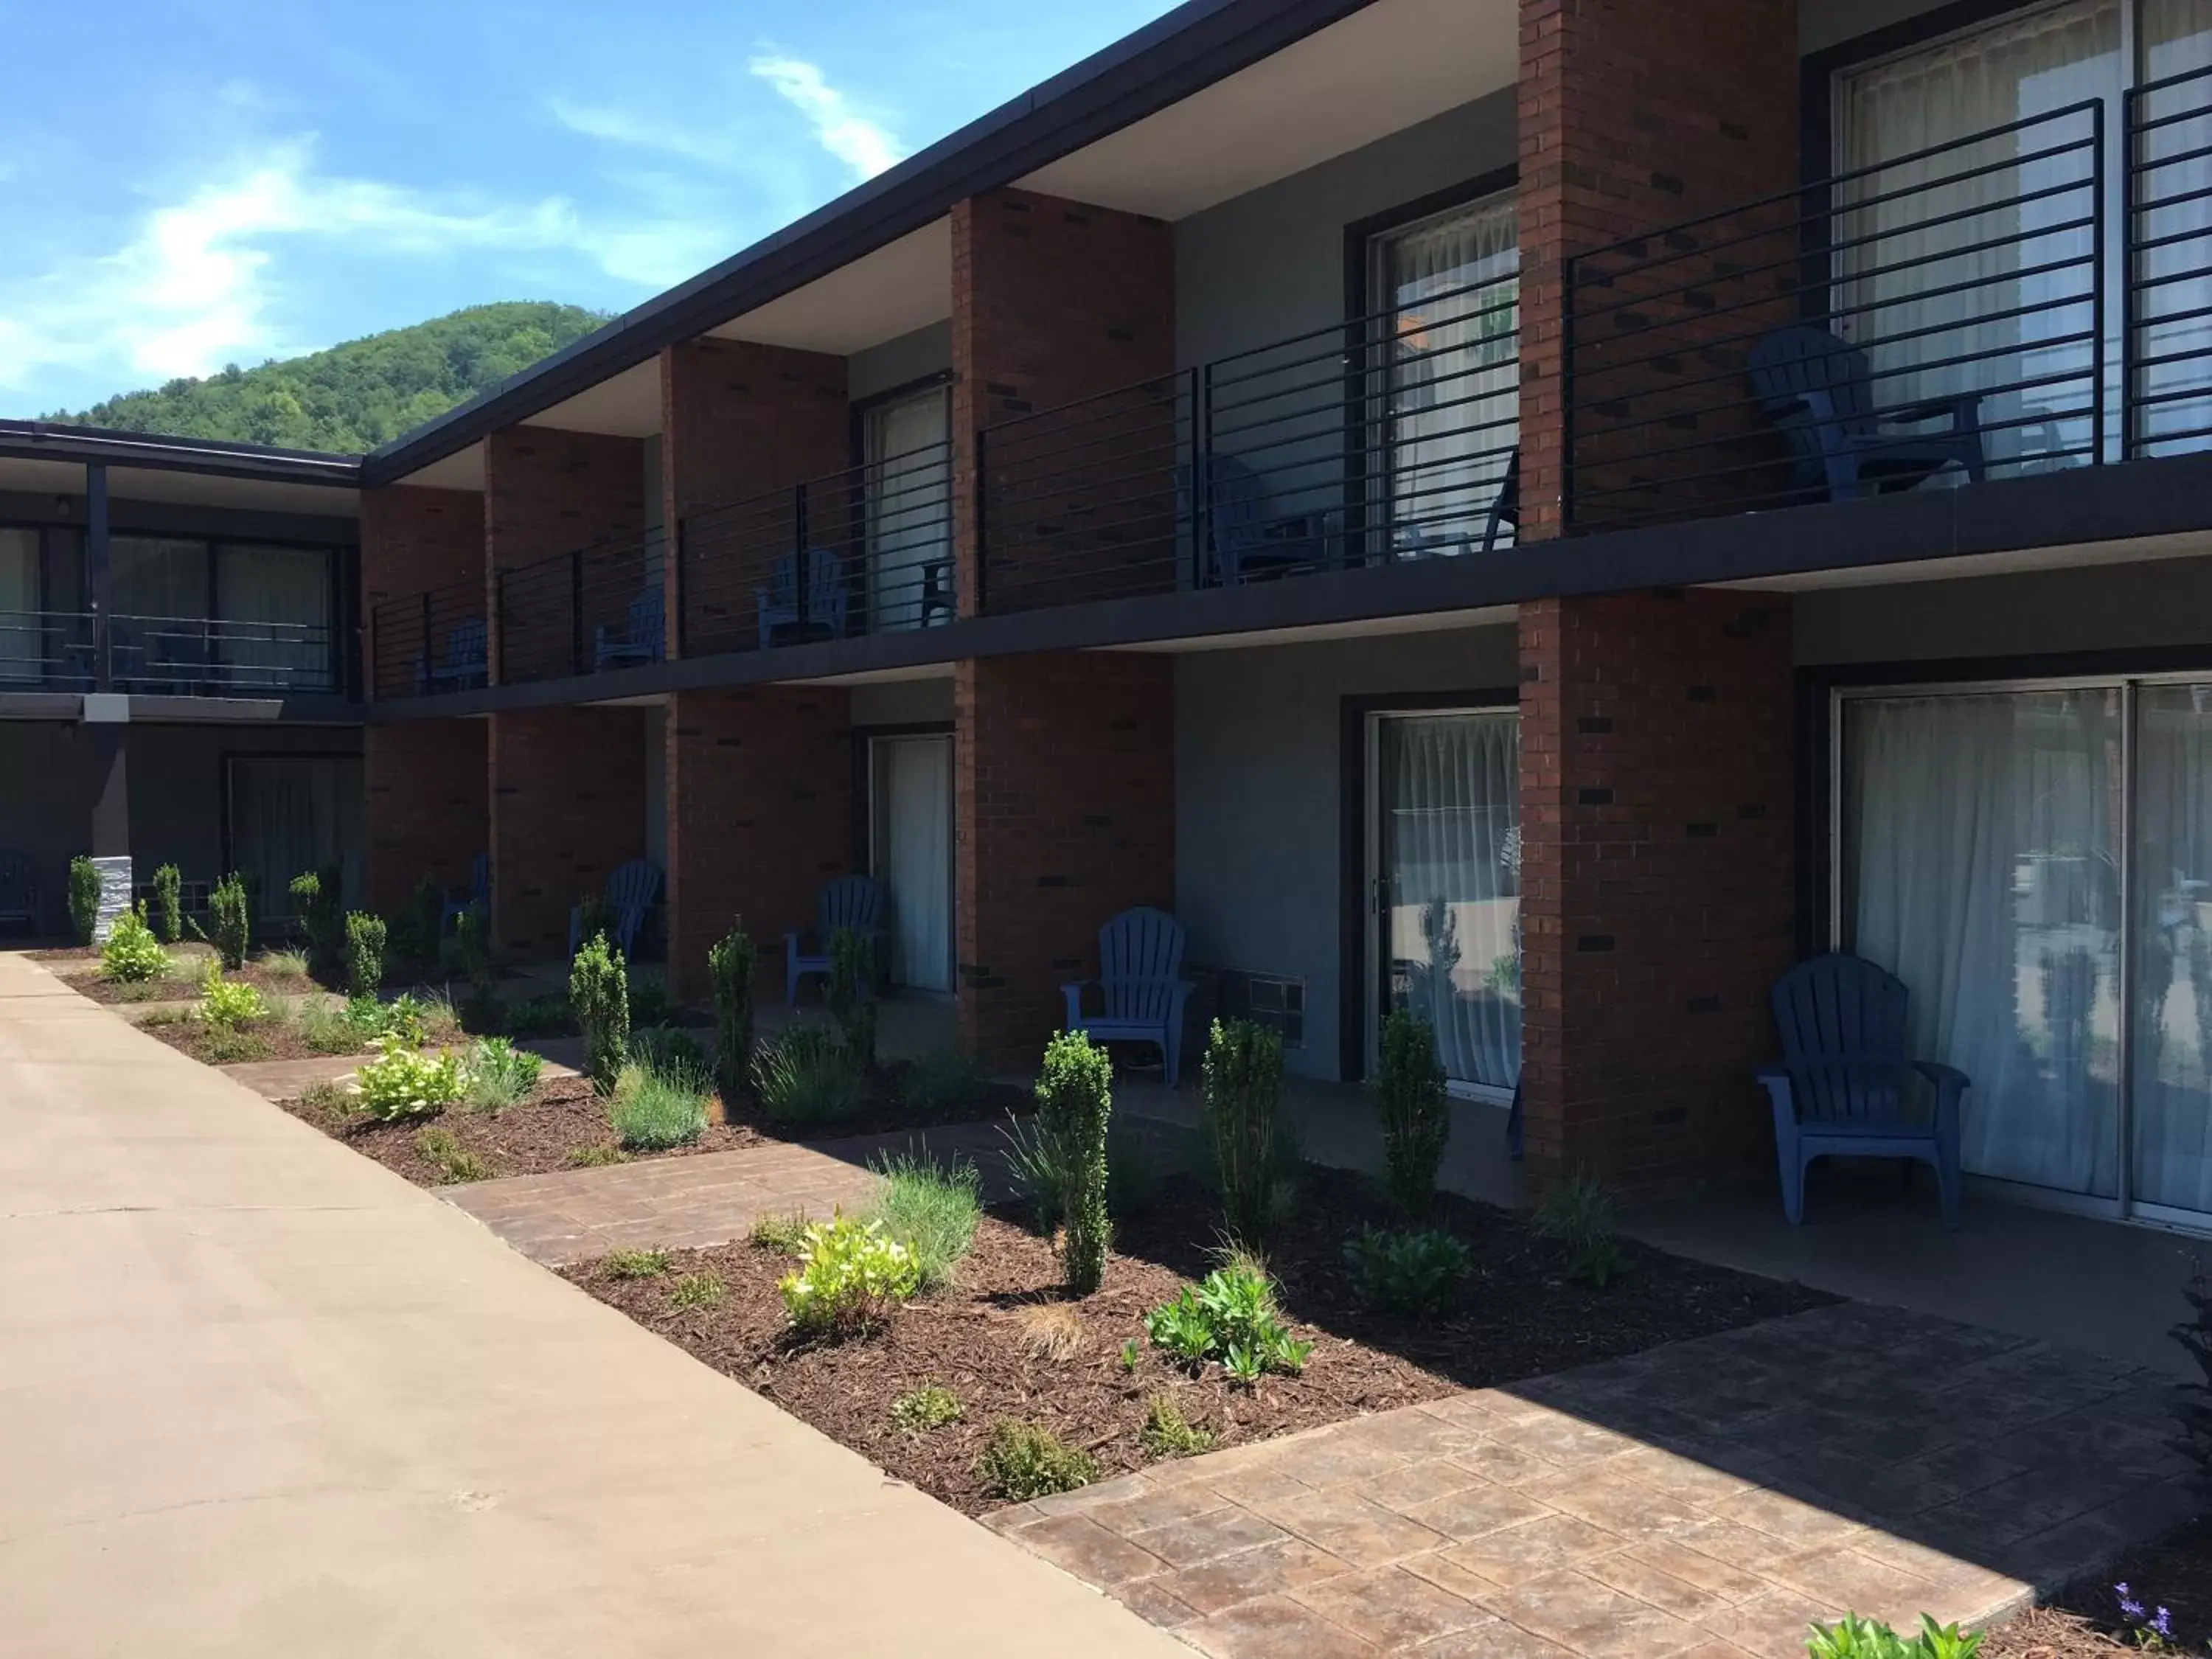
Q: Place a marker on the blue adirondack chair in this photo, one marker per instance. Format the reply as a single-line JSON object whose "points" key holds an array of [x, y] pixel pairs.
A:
{"points": [[462, 666], [1819, 389], [644, 638], [1840, 1088], [781, 621], [853, 901], [478, 896], [1241, 540], [1142, 991], [632, 891], [1418, 540], [19, 890]]}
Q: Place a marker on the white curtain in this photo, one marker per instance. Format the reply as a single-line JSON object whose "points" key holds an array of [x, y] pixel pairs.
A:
{"points": [[1893, 252], [1451, 858], [1982, 871], [913, 856], [159, 579], [2176, 412], [2172, 1076], [292, 815], [22, 636], [1450, 288], [909, 500], [280, 597]]}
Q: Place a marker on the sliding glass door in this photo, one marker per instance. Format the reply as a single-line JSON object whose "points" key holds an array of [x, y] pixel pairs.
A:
{"points": [[910, 835], [2171, 1051]]}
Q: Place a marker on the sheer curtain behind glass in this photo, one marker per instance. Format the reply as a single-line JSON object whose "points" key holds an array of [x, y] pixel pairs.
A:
{"points": [[274, 603], [1982, 872], [1451, 858], [288, 816], [1912, 228], [2172, 1076], [909, 508], [1451, 392], [22, 637], [914, 855], [2173, 341]]}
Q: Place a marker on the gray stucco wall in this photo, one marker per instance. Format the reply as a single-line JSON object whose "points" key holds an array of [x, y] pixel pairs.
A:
{"points": [[897, 363], [1258, 797], [1825, 23], [46, 808], [903, 702]]}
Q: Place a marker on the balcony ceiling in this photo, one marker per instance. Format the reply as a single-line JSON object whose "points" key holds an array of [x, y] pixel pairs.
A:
{"points": [[903, 286], [625, 406], [462, 470]]}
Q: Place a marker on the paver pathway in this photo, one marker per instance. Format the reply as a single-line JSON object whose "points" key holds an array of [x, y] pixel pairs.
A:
{"points": [[1708, 1498]]}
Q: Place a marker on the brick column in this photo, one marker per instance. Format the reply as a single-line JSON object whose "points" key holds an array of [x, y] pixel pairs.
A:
{"points": [[1657, 880], [413, 541], [1051, 300], [568, 805], [548, 493], [428, 807], [1064, 797]]}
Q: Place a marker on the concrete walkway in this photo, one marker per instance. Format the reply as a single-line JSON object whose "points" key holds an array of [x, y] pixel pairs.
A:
{"points": [[260, 1395]]}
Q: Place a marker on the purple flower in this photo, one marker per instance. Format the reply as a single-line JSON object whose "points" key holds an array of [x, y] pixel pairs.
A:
{"points": [[2130, 1609], [2163, 1624]]}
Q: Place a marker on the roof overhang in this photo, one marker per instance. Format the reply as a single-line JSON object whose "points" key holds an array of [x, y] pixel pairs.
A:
{"points": [[78, 446]]}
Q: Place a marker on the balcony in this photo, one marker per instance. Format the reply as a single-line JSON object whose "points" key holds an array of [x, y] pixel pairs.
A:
{"points": [[166, 656], [586, 612], [429, 643]]}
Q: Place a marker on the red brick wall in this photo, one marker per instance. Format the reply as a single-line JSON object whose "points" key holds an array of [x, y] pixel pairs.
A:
{"points": [[428, 807], [1064, 802], [568, 805], [1633, 116], [1051, 300], [760, 815], [736, 421], [1658, 879], [413, 540], [548, 492]]}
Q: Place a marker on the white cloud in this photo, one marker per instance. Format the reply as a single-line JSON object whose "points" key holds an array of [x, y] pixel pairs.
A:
{"points": [[858, 143], [611, 125]]}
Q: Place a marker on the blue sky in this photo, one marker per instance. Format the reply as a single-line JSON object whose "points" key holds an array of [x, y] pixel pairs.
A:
{"points": [[189, 183]]}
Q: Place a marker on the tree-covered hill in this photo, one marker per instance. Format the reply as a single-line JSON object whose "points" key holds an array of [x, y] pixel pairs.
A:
{"points": [[355, 396]]}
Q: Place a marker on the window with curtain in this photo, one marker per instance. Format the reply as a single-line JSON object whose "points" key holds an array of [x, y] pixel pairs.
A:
{"points": [[289, 815], [21, 628], [909, 510], [160, 634], [1448, 394], [2172, 410], [913, 855], [274, 607]]}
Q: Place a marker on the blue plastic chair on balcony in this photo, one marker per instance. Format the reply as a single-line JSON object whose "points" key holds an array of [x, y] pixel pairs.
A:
{"points": [[477, 896], [853, 901], [632, 891], [780, 620], [1819, 391], [1841, 1087], [1243, 542], [1142, 991], [19, 890], [465, 664], [644, 638]]}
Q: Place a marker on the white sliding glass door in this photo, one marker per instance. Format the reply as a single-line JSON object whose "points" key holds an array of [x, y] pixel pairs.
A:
{"points": [[909, 505], [911, 853], [2172, 1050]]}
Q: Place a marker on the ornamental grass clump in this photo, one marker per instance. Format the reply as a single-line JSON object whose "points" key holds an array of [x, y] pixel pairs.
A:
{"points": [[132, 955], [1075, 1102], [500, 1075], [83, 898], [230, 918], [730, 964], [806, 1076], [931, 1210], [1578, 1215], [1408, 1092], [851, 1274], [598, 990], [403, 1082], [1022, 1460], [365, 937], [441, 1149], [169, 903], [1244, 1100], [654, 1109], [1168, 1433]]}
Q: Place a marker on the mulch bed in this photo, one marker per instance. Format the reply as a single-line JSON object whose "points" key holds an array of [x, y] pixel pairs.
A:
{"points": [[1520, 1316], [186, 987], [2085, 1622], [272, 1039]]}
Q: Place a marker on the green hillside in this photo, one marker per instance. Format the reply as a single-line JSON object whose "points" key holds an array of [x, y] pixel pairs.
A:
{"points": [[355, 396]]}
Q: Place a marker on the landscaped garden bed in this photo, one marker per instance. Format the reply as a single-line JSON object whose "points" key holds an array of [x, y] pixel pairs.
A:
{"points": [[2090, 1621]]}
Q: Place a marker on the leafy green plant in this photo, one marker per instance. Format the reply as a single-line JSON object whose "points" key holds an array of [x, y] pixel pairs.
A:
{"points": [[230, 1003], [699, 1290], [500, 1075], [595, 1157], [231, 1045], [595, 915], [666, 1047], [851, 1273], [930, 1407], [83, 898], [943, 1080], [1578, 1215], [731, 961], [132, 955], [1075, 1102], [598, 990], [1168, 1433], [414, 929], [169, 903], [1408, 1272], [931, 1210], [319, 900], [1245, 1365], [441, 1149], [1022, 1460], [1132, 1352], [405, 1082], [651, 1109], [806, 1075], [230, 916], [649, 1001], [1243, 1098], [1853, 1638], [364, 939], [545, 1016], [636, 1264], [1408, 1092], [1231, 1311], [852, 993]]}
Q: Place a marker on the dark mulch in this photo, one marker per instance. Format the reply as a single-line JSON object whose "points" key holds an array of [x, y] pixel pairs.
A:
{"points": [[265, 1040], [183, 988], [1520, 1317], [2085, 1621], [886, 1110]]}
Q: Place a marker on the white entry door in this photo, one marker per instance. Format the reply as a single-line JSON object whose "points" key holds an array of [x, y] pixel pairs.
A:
{"points": [[911, 831]]}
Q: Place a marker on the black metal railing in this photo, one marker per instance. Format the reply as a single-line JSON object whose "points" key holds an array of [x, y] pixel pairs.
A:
{"points": [[867, 551], [1940, 313], [172, 656], [46, 650], [585, 612], [429, 643], [2167, 336], [1388, 437]]}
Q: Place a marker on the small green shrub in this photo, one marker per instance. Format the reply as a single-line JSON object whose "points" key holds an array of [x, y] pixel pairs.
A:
{"points": [[944, 1081], [806, 1075], [169, 903], [328, 1030], [699, 1290], [1022, 1460], [229, 1003], [930, 1407], [326, 1099], [669, 1049], [851, 1273], [499, 1075], [596, 916], [1408, 1272], [132, 955], [364, 939], [595, 1157], [414, 930], [931, 1210], [1075, 1102], [1408, 1092], [546, 1016], [1243, 1099], [649, 1001], [441, 1149], [231, 1045], [782, 1234], [405, 1082], [1852, 1637], [651, 1109], [230, 916], [472, 950], [731, 961], [1232, 1311], [83, 898], [1168, 1433], [636, 1264], [598, 990], [1578, 1215], [852, 993], [319, 900]]}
